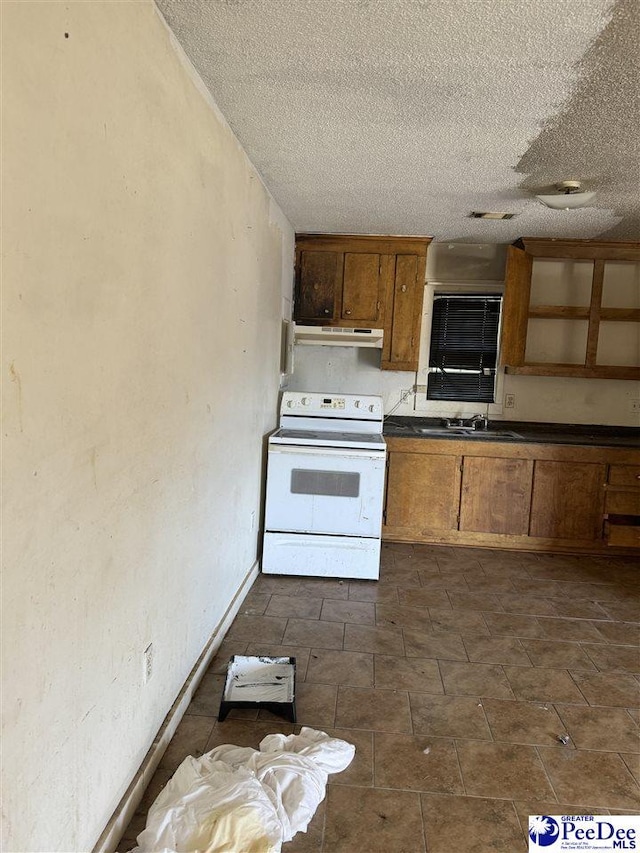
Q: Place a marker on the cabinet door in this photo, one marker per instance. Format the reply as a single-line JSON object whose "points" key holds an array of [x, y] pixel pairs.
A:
{"points": [[567, 500], [515, 307], [423, 492], [361, 299], [404, 313], [496, 495], [319, 281]]}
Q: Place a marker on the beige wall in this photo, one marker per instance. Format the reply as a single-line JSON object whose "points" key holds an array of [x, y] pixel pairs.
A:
{"points": [[144, 269]]}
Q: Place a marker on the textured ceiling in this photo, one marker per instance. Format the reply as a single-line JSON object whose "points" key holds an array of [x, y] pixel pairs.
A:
{"points": [[403, 116]]}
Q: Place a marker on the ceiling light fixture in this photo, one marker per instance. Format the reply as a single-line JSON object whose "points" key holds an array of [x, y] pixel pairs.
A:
{"points": [[490, 214], [568, 197]]}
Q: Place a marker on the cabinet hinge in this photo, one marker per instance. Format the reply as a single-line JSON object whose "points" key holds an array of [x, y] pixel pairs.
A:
{"points": [[457, 521]]}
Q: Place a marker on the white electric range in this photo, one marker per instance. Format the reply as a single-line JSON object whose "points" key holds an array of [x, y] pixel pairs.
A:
{"points": [[325, 487]]}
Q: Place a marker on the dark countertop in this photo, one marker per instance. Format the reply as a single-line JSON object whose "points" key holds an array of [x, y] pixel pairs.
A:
{"points": [[528, 432]]}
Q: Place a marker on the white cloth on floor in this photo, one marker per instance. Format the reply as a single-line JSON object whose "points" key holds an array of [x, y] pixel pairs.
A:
{"points": [[241, 800]]}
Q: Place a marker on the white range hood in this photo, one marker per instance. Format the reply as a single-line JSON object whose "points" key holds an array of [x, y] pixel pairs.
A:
{"points": [[337, 336]]}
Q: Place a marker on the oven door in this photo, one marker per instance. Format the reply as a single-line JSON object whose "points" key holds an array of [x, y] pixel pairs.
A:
{"points": [[329, 490]]}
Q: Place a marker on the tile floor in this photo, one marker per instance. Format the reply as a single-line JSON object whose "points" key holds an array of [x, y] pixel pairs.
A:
{"points": [[453, 676]]}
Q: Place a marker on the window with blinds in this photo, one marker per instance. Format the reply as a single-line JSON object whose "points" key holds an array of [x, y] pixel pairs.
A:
{"points": [[464, 347]]}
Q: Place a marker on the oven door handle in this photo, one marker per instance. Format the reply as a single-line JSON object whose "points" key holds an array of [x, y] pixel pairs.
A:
{"points": [[342, 452]]}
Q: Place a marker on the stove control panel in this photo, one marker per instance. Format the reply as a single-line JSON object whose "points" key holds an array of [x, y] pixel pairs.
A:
{"points": [[332, 403], [352, 406]]}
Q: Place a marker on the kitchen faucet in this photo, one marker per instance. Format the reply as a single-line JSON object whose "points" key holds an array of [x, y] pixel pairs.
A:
{"points": [[478, 421]]}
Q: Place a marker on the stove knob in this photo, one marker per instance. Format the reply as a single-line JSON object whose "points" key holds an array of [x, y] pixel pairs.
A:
{"points": [[305, 401], [358, 404], [291, 404], [372, 407]]}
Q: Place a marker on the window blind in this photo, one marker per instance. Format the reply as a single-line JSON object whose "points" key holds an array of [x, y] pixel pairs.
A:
{"points": [[464, 347]]}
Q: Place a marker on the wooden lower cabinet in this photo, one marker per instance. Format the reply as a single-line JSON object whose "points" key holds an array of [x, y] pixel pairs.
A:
{"points": [[496, 495], [423, 492], [534, 497], [568, 500]]}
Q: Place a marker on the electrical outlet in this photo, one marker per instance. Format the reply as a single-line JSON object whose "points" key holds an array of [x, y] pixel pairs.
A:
{"points": [[147, 664], [509, 401], [634, 406]]}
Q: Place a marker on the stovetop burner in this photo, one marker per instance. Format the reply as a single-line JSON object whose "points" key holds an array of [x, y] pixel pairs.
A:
{"points": [[328, 438], [327, 435]]}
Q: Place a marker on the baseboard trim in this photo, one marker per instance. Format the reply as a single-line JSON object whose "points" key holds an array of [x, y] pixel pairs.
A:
{"points": [[120, 819]]}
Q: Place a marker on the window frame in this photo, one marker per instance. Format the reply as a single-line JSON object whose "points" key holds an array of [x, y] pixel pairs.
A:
{"points": [[453, 407]]}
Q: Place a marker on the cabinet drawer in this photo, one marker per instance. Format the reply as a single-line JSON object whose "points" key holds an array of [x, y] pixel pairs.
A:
{"points": [[624, 475], [623, 503], [624, 535]]}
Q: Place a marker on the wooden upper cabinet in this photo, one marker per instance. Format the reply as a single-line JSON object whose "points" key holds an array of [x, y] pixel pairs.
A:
{"points": [[403, 312], [361, 291], [364, 281], [319, 274], [572, 308]]}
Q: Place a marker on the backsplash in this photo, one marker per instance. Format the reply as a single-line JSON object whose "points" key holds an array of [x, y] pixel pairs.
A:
{"points": [[536, 398]]}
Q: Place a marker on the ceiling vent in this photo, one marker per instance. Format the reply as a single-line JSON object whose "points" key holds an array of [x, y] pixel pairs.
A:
{"points": [[568, 197], [490, 214]]}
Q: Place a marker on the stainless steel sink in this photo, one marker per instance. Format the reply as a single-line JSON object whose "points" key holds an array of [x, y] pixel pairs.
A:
{"points": [[467, 432]]}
